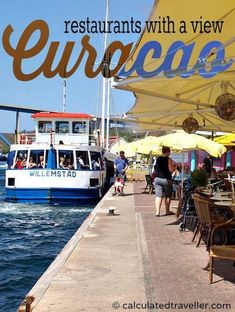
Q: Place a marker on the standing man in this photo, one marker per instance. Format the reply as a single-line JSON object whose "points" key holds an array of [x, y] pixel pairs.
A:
{"points": [[208, 164], [121, 164]]}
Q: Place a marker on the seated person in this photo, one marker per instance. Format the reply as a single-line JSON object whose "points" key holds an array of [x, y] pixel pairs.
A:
{"points": [[176, 177], [182, 174], [41, 163], [81, 164], [32, 164], [187, 172], [69, 164], [95, 164], [19, 163], [62, 163], [24, 162]]}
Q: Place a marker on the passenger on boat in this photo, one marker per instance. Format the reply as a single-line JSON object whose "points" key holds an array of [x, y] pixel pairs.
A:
{"points": [[95, 164], [81, 164], [68, 164], [19, 163], [41, 163], [32, 164], [24, 162], [62, 163]]}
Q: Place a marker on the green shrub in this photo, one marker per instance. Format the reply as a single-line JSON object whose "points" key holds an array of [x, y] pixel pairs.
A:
{"points": [[199, 177]]}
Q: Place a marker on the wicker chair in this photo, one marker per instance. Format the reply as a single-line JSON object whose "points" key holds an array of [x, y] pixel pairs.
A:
{"points": [[208, 217], [149, 184], [220, 251], [205, 220]]}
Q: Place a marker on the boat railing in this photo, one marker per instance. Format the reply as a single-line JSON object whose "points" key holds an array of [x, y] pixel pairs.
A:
{"points": [[26, 138]]}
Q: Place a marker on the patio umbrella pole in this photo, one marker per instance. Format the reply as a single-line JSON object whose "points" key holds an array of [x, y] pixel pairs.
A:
{"points": [[182, 182], [150, 162], [212, 138]]}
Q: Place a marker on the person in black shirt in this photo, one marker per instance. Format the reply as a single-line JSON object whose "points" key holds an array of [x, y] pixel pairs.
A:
{"points": [[163, 181], [207, 164]]}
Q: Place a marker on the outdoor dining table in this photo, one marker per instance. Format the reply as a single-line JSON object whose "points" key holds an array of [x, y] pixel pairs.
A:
{"points": [[225, 193], [224, 203], [221, 198], [209, 192]]}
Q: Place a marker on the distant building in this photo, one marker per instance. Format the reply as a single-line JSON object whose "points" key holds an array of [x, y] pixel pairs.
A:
{"points": [[115, 143]]}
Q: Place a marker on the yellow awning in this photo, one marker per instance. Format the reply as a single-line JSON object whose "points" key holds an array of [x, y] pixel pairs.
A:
{"points": [[226, 139], [167, 102]]}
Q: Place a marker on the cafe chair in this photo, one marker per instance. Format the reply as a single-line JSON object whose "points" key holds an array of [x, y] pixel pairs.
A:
{"points": [[209, 216], [220, 251], [149, 184]]}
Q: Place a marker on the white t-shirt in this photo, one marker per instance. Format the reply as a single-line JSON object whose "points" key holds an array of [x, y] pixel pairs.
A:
{"points": [[81, 162]]}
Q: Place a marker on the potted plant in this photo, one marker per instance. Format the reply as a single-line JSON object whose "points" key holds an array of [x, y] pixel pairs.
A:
{"points": [[199, 178]]}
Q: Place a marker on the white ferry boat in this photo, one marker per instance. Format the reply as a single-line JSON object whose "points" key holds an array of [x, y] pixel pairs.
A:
{"points": [[63, 165]]}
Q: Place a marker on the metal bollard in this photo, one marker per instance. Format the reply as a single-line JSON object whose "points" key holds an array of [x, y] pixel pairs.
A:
{"points": [[112, 211]]}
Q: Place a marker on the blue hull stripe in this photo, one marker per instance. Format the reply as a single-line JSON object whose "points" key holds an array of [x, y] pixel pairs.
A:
{"points": [[52, 195]]}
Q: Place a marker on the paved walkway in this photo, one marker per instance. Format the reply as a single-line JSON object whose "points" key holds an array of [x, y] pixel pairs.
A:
{"points": [[133, 261]]}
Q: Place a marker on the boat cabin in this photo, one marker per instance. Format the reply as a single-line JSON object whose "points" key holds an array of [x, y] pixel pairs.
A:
{"points": [[66, 128]]}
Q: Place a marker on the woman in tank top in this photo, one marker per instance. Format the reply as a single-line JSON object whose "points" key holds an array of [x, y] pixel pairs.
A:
{"points": [[163, 180]]}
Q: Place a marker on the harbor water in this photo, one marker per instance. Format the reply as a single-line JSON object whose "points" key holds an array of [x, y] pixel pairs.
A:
{"points": [[31, 237]]}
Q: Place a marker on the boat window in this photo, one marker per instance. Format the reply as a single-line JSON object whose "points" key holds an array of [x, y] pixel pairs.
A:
{"points": [[66, 159], [95, 160], [82, 160], [61, 126], [36, 159], [44, 126], [21, 158], [79, 126]]}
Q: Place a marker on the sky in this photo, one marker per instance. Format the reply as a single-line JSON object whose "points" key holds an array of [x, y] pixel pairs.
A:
{"points": [[83, 94]]}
